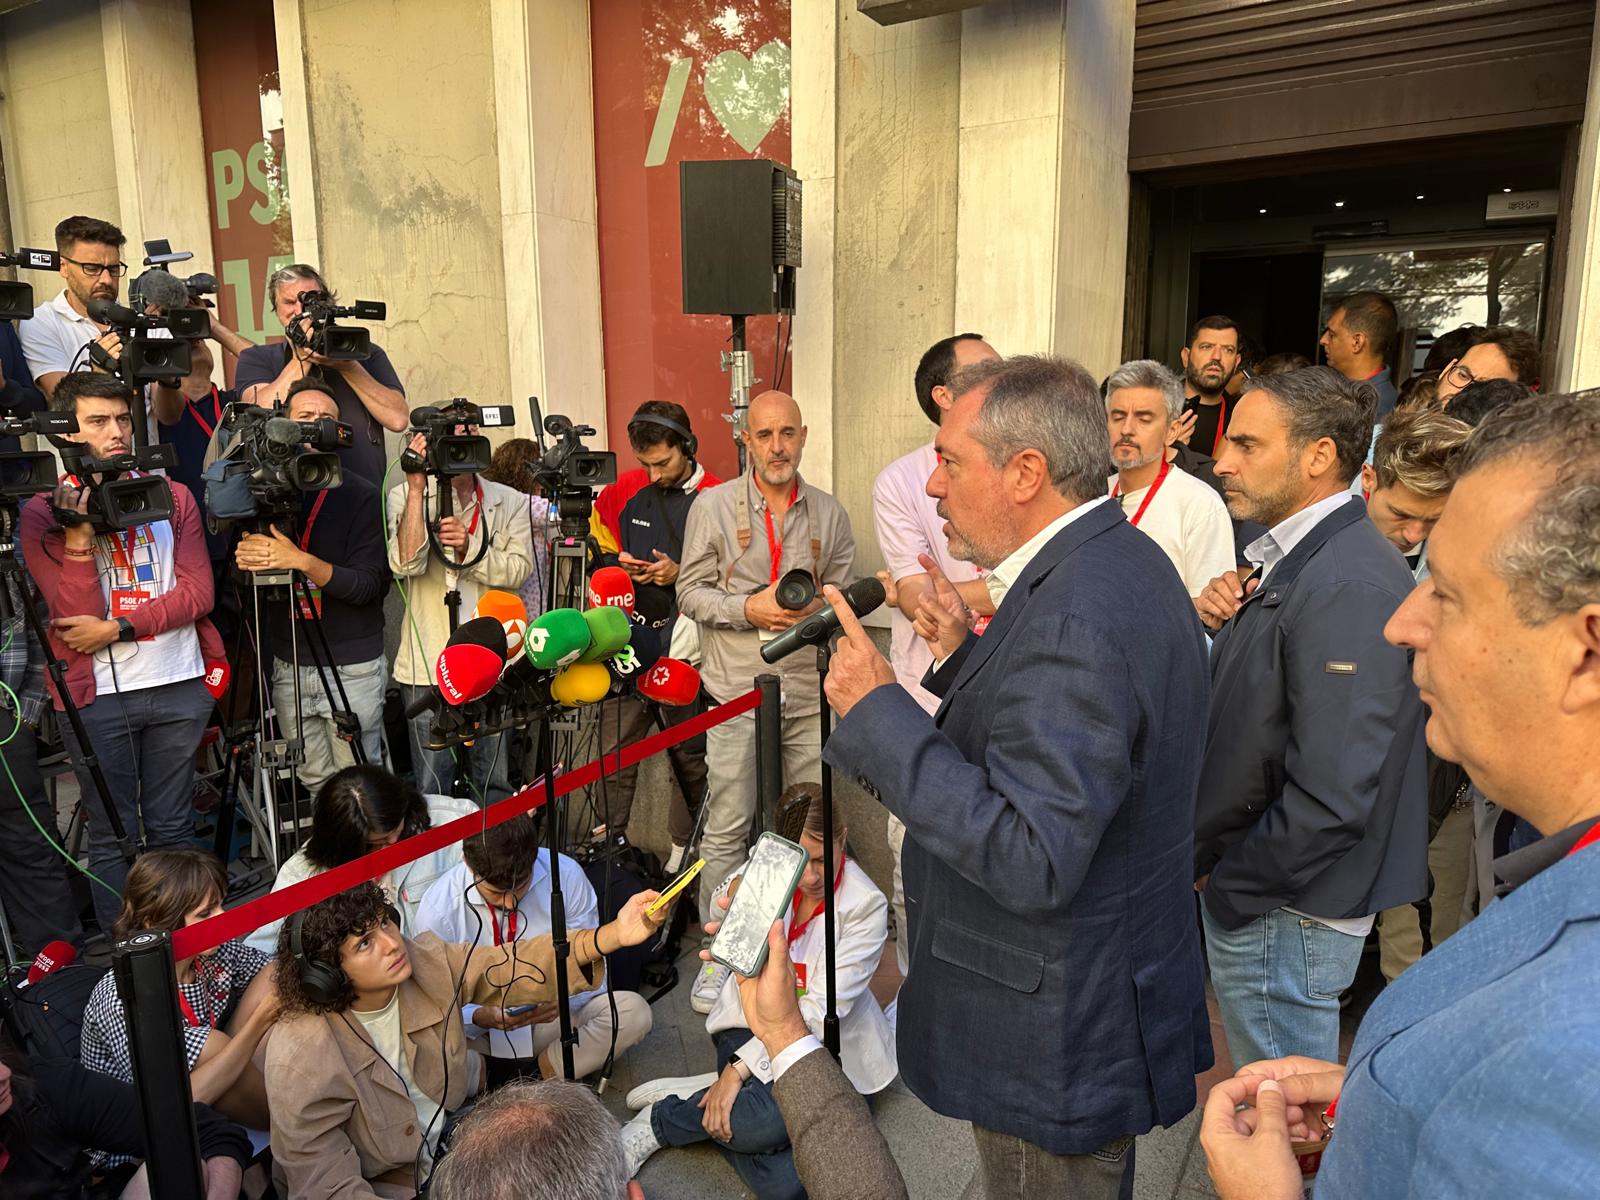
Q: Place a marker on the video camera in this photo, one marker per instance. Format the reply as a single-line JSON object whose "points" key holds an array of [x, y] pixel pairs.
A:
{"points": [[159, 286], [16, 297], [449, 452], [567, 465], [116, 502], [26, 473], [317, 330], [271, 463]]}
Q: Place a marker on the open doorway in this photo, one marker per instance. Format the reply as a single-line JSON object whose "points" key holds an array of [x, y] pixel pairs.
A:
{"points": [[1277, 297]]}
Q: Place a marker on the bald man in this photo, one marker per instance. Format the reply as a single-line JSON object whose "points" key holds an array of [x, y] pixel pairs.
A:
{"points": [[742, 537]]}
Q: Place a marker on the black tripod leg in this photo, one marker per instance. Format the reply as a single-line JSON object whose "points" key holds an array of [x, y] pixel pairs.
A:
{"points": [[345, 721], [558, 905]]}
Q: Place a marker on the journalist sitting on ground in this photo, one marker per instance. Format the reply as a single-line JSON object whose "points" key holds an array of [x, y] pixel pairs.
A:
{"points": [[499, 894], [362, 809], [226, 1002], [371, 1057]]}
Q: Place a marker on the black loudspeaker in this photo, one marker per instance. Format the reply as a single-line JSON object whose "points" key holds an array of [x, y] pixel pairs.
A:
{"points": [[741, 236]]}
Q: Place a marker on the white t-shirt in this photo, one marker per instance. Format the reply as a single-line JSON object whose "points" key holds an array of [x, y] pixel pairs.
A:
{"points": [[383, 1028], [135, 563], [1190, 523]]}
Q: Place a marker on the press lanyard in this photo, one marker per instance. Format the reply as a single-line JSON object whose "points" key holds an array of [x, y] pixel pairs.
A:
{"points": [[795, 930], [511, 925], [1588, 839], [208, 426], [774, 542], [1161, 475], [311, 521], [1222, 423], [188, 1012]]}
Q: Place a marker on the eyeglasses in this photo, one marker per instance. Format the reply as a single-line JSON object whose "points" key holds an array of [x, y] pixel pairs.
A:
{"points": [[94, 270], [1460, 375]]}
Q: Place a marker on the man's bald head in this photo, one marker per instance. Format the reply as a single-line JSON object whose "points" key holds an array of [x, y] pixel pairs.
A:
{"points": [[775, 438]]}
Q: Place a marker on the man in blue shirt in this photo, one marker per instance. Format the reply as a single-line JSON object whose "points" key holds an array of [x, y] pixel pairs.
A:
{"points": [[1357, 341]]}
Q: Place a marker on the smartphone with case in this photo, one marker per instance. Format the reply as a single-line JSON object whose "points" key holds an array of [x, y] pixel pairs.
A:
{"points": [[765, 890]]}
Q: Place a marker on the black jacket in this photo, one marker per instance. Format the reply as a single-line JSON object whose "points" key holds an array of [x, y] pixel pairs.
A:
{"points": [[1314, 789]]}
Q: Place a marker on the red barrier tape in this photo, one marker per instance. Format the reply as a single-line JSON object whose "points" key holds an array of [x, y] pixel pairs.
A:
{"points": [[212, 932]]}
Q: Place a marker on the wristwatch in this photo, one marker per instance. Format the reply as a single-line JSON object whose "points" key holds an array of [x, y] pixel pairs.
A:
{"points": [[125, 631]]}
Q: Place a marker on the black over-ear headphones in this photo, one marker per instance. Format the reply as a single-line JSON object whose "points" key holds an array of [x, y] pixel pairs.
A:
{"points": [[323, 983], [691, 444]]}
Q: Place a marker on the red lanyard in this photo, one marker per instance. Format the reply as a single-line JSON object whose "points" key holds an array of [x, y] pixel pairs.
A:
{"points": [[311, 521], [1150, 495], [511, 924], [188, 1012], [208, 426], [795, 930], [775, 543], [1222, 421], [1588, 839]]}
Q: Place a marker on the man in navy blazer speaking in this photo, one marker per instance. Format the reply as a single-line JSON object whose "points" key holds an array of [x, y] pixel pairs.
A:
{"points": [[1055, 997]]}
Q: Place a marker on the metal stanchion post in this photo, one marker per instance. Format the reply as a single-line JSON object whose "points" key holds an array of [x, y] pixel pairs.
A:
{"points": [[769, 750], [147, 984]]}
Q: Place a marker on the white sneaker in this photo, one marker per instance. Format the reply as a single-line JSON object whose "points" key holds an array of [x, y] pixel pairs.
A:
{"points": [[708, 986], [674, 861], [638, 1141], [682, 1087]]}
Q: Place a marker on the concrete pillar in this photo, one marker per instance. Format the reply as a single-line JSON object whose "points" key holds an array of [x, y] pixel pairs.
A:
{"points": [[155, 128], [304, 219], [1046, 87], [1578, 357], [549, 240]]}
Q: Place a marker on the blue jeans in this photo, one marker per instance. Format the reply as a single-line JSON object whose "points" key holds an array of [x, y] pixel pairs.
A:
{"points": [[486, 759], [145, 741], [1278, 981], [325, 751], [760, 1149]]}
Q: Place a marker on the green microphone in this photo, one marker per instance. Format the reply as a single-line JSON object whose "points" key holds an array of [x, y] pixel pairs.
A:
{"points": [[557, 638], [609, 630]]}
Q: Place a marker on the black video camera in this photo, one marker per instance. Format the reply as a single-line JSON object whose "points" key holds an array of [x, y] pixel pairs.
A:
{"points": [[271, 463], [16, 297], [316, 328], [116, 502], [449, 452], [28, 472], [568, 465], [160, 287], [144, 358]]}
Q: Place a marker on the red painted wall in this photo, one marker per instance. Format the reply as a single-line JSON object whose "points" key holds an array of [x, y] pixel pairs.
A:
{"points": [[652, 350]]}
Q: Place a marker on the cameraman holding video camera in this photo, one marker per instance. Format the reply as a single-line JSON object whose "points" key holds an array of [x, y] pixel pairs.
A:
{"points": [[368, 392], [127, 610], [338, 549], [484, 544]]}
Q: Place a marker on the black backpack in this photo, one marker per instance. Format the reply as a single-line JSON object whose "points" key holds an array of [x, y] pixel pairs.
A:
{"points": [[46, 1018], [646, 968]]}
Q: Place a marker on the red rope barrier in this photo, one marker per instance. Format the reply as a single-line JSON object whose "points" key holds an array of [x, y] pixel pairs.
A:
{"points": [[212, 932]]}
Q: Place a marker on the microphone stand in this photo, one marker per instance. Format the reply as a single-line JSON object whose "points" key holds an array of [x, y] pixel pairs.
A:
{"points": [[830, 951]]}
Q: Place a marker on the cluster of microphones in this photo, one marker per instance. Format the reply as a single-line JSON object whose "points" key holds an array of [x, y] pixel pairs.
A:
{"points": [[499, 667]]}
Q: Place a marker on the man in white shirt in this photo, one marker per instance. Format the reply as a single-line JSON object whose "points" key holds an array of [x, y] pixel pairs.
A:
{"points": [[1312, 812], [1184, 516], [92, 266], [500, 893], [909, 527]]}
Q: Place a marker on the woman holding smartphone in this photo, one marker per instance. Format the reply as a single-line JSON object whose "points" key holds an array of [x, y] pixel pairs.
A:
{"points": [[735, 1107]]}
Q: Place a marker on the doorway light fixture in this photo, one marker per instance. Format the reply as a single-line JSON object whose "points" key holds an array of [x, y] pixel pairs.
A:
{"points": [[1262, 211], [1507, 191], [1338, 203], [1420, 196]]}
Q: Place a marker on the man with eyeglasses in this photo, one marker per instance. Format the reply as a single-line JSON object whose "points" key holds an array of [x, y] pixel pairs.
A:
{"points": [[1496, 352], [54, 340]]}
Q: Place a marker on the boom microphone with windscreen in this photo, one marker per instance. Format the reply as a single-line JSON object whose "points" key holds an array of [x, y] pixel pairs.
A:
{"points": [[862, 596]]}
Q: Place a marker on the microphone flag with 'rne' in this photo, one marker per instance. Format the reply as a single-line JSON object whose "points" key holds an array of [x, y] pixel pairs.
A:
{"points": [[608, 631], [862, 596], [611, 587], [471, 662], [581, 683], [557, 638], [629, 665], [670, 682], [510, 612]]}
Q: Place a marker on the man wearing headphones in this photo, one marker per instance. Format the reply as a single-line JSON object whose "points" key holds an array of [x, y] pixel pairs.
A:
{"points": [[647, 510], [369, 1058]]}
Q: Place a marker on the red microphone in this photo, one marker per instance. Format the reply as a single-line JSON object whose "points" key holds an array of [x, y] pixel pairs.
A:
{"points": [[216, 677], [670, 682], [611, 587], [471, 661], [51, 959]]}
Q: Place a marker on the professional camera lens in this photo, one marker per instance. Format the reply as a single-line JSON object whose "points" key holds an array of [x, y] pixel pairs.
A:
{"points": [[796, 589]]}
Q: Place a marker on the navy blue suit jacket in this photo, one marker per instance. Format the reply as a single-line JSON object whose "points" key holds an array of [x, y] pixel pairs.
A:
{"points": [[1056, 989]]}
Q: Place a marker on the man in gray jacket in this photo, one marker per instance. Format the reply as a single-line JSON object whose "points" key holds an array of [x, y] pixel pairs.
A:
{"points": [[1312, 814]]}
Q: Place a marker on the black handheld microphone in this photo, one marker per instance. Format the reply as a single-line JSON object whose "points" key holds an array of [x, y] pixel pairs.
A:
{"points": [[862, 596]]}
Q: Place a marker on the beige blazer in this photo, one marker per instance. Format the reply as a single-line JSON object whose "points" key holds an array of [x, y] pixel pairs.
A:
{"points": [[343, 1127]]}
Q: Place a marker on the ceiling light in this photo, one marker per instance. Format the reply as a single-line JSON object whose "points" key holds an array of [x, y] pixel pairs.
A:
{"points": [[1506, 190], [1420, 196], [1262, 211], [1338, 203]]}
